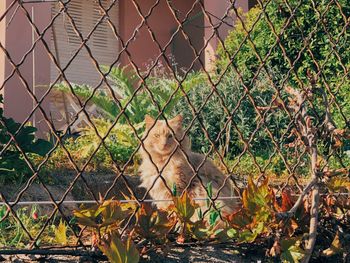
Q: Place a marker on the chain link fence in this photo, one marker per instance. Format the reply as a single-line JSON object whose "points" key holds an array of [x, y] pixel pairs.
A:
{"points": [[146, 101]]}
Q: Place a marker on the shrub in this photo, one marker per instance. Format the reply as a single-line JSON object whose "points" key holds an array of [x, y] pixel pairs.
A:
{"points": [[327, 40], [327, 43], [120, 143], [123, 85], [13, 166], [154, 95], [214, 117]]}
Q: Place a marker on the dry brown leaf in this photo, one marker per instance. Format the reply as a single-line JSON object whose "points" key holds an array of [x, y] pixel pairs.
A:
{"points": [[335, 247]]}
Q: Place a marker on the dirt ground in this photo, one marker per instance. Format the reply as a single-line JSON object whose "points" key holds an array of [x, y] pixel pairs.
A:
{"points": [[99, 183], [89, 189], [217, 254]]}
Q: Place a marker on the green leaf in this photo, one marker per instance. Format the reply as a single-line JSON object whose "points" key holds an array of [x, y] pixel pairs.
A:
{"points": [[199, 230], [291, 251], [174, 190], [87, 217], [113, 213], [41, 147], [210, 193], [184, 207], [249, 236], [117, 252], [231, 233], [213, 216], [255, 197]]}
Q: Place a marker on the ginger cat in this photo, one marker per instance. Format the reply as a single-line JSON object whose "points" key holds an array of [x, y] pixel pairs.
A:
{"points": [[160, 143]]}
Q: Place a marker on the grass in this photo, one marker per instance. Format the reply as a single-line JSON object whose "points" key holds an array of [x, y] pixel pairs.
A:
{"points": [[12, 233]]}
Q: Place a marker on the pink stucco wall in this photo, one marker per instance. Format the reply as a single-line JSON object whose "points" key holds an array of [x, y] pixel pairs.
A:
{"points": [[17, 41], [217, 9], [2, 41], [143, 50]]}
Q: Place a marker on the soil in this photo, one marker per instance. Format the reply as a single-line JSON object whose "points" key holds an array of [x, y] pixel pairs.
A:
{"points": [[90, 188], [100, 183], [217, 254]]}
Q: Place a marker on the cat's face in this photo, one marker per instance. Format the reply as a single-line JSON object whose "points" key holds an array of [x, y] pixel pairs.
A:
{"points": [[160, 139]]}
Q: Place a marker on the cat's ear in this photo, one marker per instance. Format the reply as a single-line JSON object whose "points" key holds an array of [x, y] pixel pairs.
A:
{"points": [[177, 120], [149, 121]]}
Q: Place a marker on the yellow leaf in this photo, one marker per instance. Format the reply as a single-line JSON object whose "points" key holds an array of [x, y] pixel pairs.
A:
{"points": [[337, 184], [113, 213], [61, 233]]}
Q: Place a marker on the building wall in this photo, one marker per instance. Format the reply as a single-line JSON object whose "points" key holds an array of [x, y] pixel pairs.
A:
{"points": [[17, 39], [142, 49], [218, 9], [3, 5]]}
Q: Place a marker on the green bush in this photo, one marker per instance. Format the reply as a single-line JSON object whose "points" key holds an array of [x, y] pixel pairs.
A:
{"points": [[123, 84], [120, 144], [221, 128], [13, 166], [322, 52], [304, 28], [100, 98], [160, 92]]}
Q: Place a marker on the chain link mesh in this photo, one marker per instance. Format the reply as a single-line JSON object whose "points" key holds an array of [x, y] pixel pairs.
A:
{"points": [[264, 110]]}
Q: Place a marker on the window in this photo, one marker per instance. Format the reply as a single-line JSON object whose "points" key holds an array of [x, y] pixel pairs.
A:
{"points": [[65, 42]]}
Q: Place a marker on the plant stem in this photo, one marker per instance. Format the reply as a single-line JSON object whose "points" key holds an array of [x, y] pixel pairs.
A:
{"points": [[315, 198], [315, 194], [310, 137]]}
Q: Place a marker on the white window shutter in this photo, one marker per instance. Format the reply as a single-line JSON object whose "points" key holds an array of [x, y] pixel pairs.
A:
{"points": [[103, 43]]}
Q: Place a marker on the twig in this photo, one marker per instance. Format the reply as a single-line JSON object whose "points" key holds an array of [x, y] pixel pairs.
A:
{"points": [[315, 199], [309, 137]]}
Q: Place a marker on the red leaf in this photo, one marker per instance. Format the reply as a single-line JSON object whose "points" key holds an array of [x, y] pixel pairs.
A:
{"points": [[287, 202], [180, 239], [35, 216]]}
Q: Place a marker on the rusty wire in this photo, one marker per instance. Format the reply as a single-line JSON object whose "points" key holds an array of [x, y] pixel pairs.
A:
{"points": [[261, 116]]}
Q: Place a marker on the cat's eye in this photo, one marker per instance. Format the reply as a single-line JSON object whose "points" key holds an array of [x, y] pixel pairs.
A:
{"points": [[156, 135], [170, 136]]}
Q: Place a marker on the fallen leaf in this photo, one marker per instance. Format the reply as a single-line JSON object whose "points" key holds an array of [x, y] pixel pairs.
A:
{"points": [[275, 249], [335, 247], [291, 250]]}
